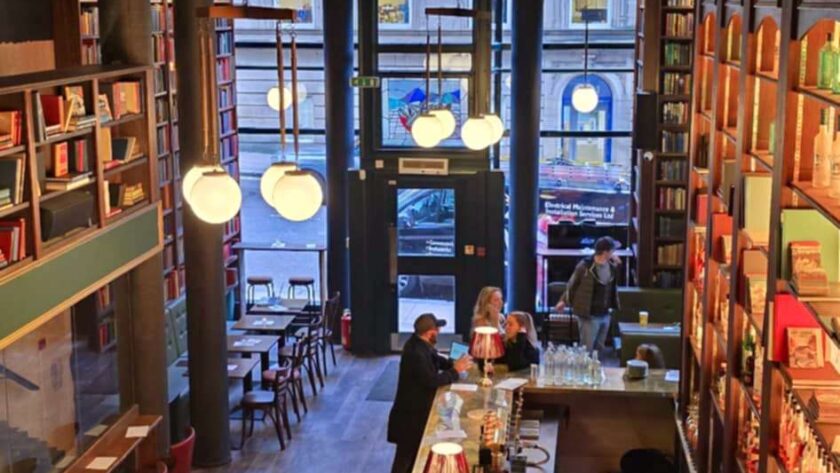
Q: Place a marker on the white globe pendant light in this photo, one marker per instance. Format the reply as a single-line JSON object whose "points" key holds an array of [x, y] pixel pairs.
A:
{"points": [[270, 177], [498, 128], [447, 122], [216, 197], [192, 177], [273, 98], [426, 130], [584, 98], [476, 133], [297, 196]]}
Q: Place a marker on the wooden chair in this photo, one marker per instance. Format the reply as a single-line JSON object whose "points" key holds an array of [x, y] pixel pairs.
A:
{"points": [[272, 404], [292, 384], [332, 312]]}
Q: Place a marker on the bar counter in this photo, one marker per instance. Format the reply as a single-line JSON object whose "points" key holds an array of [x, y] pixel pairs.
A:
{"points": [[621, 413]]}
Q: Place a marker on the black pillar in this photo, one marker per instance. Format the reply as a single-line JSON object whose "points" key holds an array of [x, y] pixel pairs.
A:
{"points": [[338, 69], [526, 65], [205, 279]]}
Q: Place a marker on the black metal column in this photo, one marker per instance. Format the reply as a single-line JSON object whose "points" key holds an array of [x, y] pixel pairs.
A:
{"points": [[338, 70], [526, 64], [205, 278]]}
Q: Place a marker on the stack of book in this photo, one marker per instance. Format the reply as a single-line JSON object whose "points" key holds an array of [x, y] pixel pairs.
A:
{"points": [[13, 240], [121, 195], [825, 405], [60, 178], [125, 97], [809, 278], [10, 128]]}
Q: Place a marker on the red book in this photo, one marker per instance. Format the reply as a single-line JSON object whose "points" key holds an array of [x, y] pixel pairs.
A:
{"points": [[53, 106], [18, 225], [60, 163]]}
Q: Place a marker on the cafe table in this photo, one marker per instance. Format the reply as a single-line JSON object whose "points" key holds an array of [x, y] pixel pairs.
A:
{"points": [[278, 306], [274, 324], [242, 368], [248, 345]]}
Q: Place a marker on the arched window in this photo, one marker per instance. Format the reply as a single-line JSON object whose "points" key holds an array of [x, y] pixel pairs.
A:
{"points": [[590, 150]]}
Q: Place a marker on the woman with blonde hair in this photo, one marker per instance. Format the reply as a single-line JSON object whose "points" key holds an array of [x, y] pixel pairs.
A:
{"points": [[488, 308], [520, 342]]}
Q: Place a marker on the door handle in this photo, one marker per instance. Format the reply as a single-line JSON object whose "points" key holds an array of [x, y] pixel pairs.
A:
{"points": [[392, 254]]}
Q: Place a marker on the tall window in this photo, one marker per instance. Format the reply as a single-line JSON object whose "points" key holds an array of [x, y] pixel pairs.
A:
{"points": [[394, 13], [305, 14], [588, 150], [598, 20]]}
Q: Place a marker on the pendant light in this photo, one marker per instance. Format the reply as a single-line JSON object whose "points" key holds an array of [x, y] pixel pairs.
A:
{"points": [[212, 194], [297, 195], [476, 133], [585, 97], [426, 129], [278, 169], [442, 112]]}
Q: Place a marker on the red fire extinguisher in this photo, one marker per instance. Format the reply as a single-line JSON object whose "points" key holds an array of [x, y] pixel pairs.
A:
{"points": [[345, 329]]}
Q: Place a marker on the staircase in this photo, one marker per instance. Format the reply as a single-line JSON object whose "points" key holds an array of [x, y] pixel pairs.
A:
{"points": [[25, 454]]}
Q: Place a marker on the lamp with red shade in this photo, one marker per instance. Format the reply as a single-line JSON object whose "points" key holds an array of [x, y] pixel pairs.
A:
{"points": [[446, 457], [487, 344]]}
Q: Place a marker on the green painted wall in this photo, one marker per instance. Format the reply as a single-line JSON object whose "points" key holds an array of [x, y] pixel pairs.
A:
{"points": [[37, 291]]}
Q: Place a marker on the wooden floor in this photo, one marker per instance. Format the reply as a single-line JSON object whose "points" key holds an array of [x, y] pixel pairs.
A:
{"points": [[342, 432]]}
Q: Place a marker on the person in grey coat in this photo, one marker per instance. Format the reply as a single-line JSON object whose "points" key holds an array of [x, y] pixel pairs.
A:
{"points": [[592, 293]]}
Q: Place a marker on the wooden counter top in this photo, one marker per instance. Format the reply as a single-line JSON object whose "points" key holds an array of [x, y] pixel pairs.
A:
{"points": [[614, 384]]}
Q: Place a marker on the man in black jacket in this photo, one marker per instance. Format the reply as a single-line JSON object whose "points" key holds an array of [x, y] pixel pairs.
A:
{"points": [[422, 371]]}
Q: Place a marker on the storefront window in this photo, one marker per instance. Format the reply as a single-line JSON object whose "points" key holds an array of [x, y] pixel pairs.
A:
{"points": [[597, 12], [394, 13], [305, 15]]}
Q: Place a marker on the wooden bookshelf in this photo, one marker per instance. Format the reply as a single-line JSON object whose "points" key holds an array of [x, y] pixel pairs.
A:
{"points": [[665, 35], [78, 42], [36, 153], [752, 193], [95, 319], [229, 136]]}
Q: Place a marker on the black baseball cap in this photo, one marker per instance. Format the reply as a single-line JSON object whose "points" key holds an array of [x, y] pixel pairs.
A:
{"points": [[426, 322], [606, 244]]}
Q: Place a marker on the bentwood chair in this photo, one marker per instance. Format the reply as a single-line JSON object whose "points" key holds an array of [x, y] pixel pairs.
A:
{"points": [[272, 404]]}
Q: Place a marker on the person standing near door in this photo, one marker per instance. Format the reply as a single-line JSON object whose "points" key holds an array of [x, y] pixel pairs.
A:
{"points": [[488, 309], [592, 293], [422, 371]]}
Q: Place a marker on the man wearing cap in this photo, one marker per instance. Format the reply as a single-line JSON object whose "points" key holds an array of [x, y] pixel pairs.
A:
{"points": [[592, 293], [422, 371]]}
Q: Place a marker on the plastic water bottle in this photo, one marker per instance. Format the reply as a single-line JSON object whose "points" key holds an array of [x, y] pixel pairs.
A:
{"points": [[596, 373], [548, 373], [586, 370], [559, 364]]}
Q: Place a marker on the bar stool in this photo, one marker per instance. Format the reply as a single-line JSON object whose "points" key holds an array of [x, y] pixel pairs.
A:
{"points": [[262, 281], [304, 282]]}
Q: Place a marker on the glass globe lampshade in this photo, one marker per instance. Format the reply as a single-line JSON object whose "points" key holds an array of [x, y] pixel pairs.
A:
{"points": [[270, 177], [273, 98], [476, 133], [302, 92], [584, 98], [216, 197], [447, 122], [297, 196], [426, 130], [496, 124], [192, 176]]}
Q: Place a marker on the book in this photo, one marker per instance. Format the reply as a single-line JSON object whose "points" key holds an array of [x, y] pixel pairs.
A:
{"points": [[11, 178], [60, 160], [104, 142], [53, 107], [123, 148], [805, 348], [76, 95], [10, 124], [103, 109], [78, 155], [17, 229], [40, 123], [77, 181]]}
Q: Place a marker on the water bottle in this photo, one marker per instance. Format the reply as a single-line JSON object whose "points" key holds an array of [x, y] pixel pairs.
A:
{"points": [[596, 373], [548, 374], [559, 363], [586, 370]]}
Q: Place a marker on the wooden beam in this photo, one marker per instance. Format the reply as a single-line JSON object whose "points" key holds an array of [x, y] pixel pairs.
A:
{"points": [[246, 12]]}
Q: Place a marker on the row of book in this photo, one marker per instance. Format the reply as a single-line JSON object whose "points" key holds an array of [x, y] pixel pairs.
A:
{"points": [[126, 97], [227, 121], [676, 83], [668, 279], [12, 241], [232, 169], [107, 334], [160, 79], [675, 113], [673, 170], [222, 23], [69, 166], [230, 147], [173, 284], [166, 197], [103, 298], [680, 3], [701, 157], [161, 109], [11, 180], [11, 134], [677, 54], [163, 145], [679, 24], [89, 21], [674, 141], [163, 48], [670, 227], [168, 256], [232, 227], [224, 69], [91, 53], [164, 173], [672, 198], [670, 255], [227, 96], [161, 17], [224, 42]]}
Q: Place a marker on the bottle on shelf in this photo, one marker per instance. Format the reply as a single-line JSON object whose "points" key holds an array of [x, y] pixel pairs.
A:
{"points": [[834, 189], [821, 176], [827, 68]]}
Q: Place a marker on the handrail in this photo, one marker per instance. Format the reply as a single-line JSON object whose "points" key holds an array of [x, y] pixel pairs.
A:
{"points": [[13, 376]]}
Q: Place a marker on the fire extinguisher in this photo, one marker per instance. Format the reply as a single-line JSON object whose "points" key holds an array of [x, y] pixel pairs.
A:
{"points": [[345, 329]]}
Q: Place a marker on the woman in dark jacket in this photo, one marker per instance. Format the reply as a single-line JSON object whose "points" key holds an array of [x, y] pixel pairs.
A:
{"points": [[520, 342]]}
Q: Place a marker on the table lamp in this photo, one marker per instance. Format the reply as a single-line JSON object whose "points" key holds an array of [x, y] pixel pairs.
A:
{"points": [[446, 457], [487, 344]]}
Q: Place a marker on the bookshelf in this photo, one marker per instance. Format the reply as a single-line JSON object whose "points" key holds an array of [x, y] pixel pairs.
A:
{"points": [[664, 38], [229, 145], [67, 181], [764, 241], [95, 319], [79, 43]]}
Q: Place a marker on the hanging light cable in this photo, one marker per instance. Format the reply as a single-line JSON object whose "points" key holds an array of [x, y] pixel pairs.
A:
{"points": [[213, 195], [442, 112], [277, 169], [426, 129], [585, 97], [297, 196]]}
